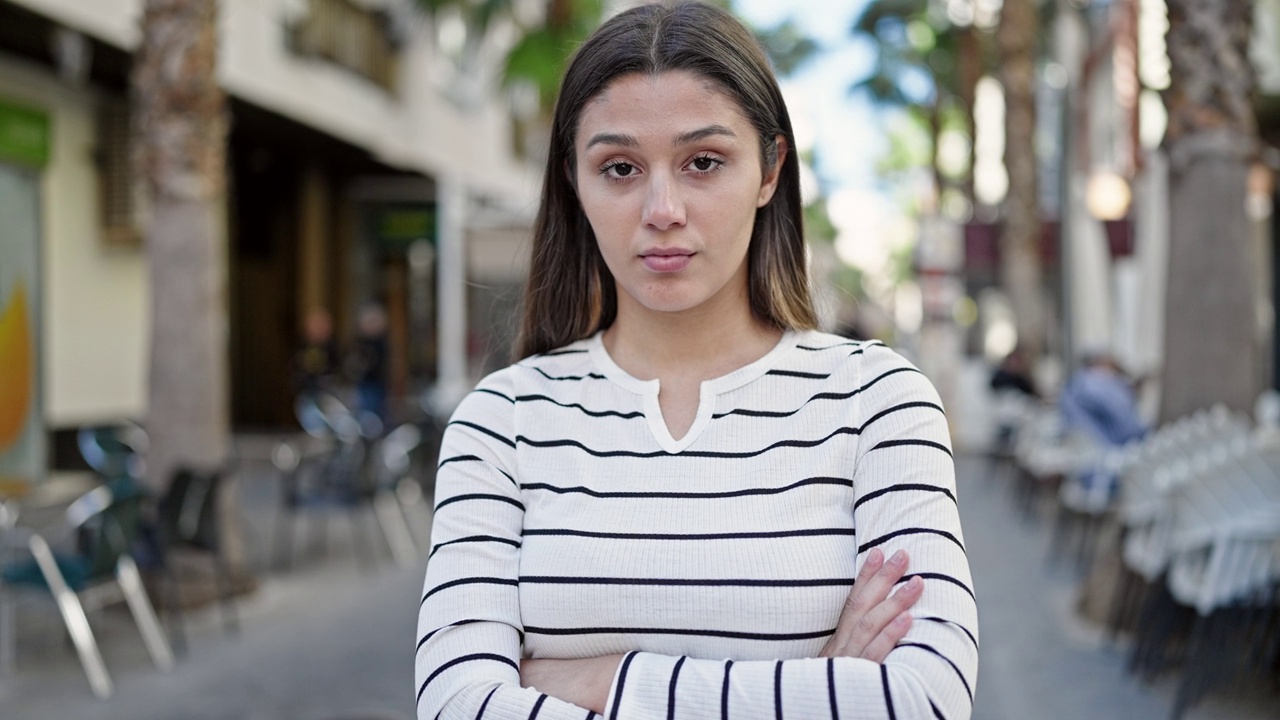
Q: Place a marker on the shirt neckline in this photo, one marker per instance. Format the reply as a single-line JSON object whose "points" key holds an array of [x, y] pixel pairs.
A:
{"points": [[648, 389]]}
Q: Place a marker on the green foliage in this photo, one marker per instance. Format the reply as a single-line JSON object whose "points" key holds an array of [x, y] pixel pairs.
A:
{"points": [[541, 54], [787, 46], [817, 222]]}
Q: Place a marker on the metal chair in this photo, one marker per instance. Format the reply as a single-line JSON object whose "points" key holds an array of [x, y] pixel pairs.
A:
{"points": [[188, 516], [94, 569]]}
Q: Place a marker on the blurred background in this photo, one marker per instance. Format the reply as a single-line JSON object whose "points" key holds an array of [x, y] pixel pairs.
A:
{"points": [[252, 253]]}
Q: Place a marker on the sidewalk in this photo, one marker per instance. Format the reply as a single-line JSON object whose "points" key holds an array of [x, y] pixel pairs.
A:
{"points": [[334, 641]]}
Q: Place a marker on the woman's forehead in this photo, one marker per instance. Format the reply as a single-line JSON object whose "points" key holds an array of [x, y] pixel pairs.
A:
{"points": [[661, 104]]}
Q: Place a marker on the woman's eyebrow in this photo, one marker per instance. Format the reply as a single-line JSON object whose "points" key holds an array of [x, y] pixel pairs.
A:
{"points": [[612, 139], [701, 134], [682, 139]]}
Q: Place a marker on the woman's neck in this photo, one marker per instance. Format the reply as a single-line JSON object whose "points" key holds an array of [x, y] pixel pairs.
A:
{"points": [[694, 345]]}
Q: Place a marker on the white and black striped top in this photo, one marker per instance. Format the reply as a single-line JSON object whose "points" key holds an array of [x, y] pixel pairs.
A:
{"points": [[570, 524]]}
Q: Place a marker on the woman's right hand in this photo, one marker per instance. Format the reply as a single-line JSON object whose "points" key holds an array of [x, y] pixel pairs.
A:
{"points": [[873, 621]]}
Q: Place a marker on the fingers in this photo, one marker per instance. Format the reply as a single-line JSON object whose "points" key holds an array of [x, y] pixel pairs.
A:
{"points": [[891, 620], [869, 608]]}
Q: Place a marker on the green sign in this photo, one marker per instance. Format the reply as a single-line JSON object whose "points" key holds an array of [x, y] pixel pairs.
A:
{"points": [[25, 135], [396, 226]]}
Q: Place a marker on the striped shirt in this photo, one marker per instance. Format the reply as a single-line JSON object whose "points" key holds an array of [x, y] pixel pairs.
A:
{"points": [[569, 523]]}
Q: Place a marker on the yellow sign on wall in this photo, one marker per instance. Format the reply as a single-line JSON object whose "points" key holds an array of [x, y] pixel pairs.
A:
{"points": [[22, 432]]}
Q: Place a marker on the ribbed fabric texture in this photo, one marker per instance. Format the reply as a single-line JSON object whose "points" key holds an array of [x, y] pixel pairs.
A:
{"points": [[570, 524]]}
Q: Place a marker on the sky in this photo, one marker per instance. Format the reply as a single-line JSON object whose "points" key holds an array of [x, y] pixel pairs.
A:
{"points": [[843, 126], [847, 131]]}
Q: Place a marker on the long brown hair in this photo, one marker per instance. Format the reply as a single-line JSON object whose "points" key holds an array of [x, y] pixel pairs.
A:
{"points": [[571, 293]]}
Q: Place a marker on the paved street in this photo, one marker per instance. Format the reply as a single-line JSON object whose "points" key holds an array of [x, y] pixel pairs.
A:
{"points": [[331, 642]]}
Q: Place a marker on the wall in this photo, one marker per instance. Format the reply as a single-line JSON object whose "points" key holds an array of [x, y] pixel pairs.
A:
{"points": [[95, 322]]}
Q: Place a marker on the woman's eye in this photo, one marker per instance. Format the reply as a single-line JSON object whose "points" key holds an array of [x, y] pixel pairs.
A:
{"points": [[619, 170], [705, 164]]}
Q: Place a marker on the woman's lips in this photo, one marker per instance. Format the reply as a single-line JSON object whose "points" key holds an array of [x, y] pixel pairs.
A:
{"points": [[666, 262]]}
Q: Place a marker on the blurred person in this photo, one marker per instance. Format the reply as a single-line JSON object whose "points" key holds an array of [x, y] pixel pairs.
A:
{"points": [[1099, 400], [367, 363], [316, 361], [673, 472], [1013, 374]]}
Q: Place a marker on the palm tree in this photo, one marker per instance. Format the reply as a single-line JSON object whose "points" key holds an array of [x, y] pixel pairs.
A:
{"points": [[542, 50], [180, 139], [911, 42], [1211, 351], [1020, 238]]}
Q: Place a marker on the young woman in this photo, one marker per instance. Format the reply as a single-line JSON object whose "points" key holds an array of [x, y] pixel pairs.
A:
{"points": [[660, 510]]}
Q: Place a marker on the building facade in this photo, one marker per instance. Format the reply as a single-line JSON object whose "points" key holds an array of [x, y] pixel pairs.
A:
{"points": [[365, 164]]}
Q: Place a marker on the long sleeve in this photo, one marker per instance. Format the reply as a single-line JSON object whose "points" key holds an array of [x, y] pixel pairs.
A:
{"points": [[904, 489], [467, 662]]}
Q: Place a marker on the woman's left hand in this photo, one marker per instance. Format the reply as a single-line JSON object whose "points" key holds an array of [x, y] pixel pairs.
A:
{"points": [[584, 682]]}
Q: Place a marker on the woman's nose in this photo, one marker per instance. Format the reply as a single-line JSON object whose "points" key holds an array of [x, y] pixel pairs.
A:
{"points": [[663, 208]]}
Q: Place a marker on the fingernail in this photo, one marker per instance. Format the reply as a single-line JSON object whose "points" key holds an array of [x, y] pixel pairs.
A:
{"points": [[898, 557], [875, 556], [915, 584], [902, 619]]}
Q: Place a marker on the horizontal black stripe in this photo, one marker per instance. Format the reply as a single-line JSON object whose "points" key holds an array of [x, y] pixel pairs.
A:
{"points": [[462, 659], [485, 704], [683, 582], [799, 374], [592, 413], [479, 496], [928, 648], [909, 531], [567, 351], [819, 396], [495, 435], [912, 441], [814, 532], [903, 487], [686, 495], [687, 453], [459, 458], [779, 637], [591, 376], [429, 635], [494, 392], [474, 458], [470, 621], [936, 712], [475, 539], [939, 576], [945, 621], [469, 581], [811, 348], [900, 408]]}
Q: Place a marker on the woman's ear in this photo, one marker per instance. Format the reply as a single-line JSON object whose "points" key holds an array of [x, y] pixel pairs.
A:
{"points": [[771, 175]]}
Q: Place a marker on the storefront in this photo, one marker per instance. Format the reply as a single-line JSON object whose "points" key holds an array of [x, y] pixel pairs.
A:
{"points": [[24, 151]]}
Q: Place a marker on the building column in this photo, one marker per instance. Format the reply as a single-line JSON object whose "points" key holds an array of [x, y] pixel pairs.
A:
{"points": [[451, 306]]}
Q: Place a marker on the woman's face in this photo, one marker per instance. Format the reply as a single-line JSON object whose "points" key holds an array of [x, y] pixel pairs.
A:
{"points": [[669, 176]]}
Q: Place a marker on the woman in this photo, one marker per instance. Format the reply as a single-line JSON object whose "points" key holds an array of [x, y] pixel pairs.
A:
{"points": [[662, 506]]}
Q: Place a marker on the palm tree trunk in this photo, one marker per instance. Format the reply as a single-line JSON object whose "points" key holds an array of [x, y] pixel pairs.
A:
{"points": [[1212, 352], [180, 133], [1020, 241]]}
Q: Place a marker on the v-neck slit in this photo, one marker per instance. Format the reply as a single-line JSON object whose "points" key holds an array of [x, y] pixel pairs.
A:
{"points": [[708, 391]]}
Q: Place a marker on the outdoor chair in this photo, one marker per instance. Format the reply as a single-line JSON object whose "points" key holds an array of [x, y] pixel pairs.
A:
{"points": [[91, 568], [318, 478], [189, 517]]}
